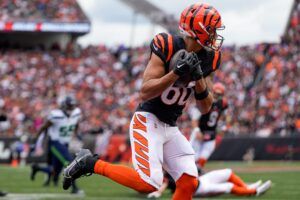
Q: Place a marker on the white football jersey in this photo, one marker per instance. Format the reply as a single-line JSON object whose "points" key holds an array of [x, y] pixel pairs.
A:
{"points": [[63, 127]]}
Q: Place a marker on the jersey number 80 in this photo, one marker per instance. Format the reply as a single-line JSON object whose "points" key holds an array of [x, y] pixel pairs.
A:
{"points": [[177, 95]]}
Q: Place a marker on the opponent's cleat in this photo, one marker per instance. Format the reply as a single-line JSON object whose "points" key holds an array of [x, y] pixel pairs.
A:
{"points": [[254, 185], [77, 168], [34, 170], [263, 188], [2, 194]]}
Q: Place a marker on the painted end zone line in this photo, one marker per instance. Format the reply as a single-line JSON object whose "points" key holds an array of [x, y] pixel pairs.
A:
{"points": [[39, 196]]}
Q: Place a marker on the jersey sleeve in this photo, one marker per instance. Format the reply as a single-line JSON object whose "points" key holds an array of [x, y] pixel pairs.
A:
{"points": [[54, 116], [213, 62], [78, 114], [51, 116], [162, 46]]}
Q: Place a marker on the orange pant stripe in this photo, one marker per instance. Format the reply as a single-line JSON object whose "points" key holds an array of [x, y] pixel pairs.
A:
{"points": [[145, 163], [140, 138], [140, 150], [137, 124]]}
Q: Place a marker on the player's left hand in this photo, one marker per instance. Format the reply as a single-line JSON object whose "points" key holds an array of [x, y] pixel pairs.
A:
{"points": [[197, 72], [154, 195]]}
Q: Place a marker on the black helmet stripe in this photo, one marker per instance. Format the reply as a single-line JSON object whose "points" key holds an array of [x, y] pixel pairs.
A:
{"points": [[211, 17], [187, 12], [194, 14], [207, 10], [217, 21]]}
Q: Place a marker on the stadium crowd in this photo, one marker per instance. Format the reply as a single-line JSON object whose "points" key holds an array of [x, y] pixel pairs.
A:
{"points": [[41, 10], [106, 82], [262, 82]]}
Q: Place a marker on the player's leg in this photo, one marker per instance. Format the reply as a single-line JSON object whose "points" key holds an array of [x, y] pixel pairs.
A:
{"points": [[236, 180], [35, 168], [146, 135], [197, 146], [179, 162], [207, 149], [210, 187], [58, 160], [222, 176], [223, 181], [48, 170], [217, 176]]}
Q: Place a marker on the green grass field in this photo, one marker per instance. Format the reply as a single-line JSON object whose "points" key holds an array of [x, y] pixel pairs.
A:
{"points": [[285, 177]]}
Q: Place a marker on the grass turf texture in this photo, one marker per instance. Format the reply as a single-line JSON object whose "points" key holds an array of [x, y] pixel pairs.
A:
{"points": [[285, 177]]}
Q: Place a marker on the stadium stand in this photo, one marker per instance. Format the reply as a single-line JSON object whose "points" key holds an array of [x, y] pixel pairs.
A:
{"points": [[41, 10]]}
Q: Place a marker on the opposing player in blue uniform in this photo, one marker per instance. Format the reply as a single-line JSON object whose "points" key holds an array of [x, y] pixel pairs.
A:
{"points": [[60, 127]]}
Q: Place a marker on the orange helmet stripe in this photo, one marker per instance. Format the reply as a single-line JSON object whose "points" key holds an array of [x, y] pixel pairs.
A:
{"points": [[187, 12], [156, 42], [170, 47], [194, 15], [208, 18], [217, 21], [206, 11]]}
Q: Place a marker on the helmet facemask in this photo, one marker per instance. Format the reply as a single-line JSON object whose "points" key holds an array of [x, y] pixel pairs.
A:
{"points": [[214, 40]]}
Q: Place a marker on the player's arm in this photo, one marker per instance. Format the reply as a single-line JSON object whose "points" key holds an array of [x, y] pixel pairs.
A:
{"points": [[196, 130], [41, 135], [204, 98], [154, 80], [44, 127], [195, 116], [204, 85], [160, 191], [77, 133]]}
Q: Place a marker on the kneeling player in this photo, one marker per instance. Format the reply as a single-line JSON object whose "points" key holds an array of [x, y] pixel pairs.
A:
{"points": [[219, 182]]}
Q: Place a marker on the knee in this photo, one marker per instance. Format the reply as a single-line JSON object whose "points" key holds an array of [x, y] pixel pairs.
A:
{"points": [[187, 183]]}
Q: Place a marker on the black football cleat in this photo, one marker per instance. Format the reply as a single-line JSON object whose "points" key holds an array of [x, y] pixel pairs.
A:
{"points": [[34, 170], [2, 194], [80, 166]]}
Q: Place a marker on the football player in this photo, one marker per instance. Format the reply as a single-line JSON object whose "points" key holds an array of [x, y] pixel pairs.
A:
{"points": [[218, 182], [60, 126], [204, 133], [156, 141]]}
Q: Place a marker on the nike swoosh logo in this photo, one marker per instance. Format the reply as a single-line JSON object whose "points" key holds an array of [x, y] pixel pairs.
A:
{"points": [[179, 66]]}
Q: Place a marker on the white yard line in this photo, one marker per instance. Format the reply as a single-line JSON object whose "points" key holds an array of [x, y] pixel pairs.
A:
{"points": [[40, 196]]}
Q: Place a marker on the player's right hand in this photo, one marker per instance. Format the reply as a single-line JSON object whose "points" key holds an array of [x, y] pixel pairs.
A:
{"points": [[154, 195], [185, 63]]}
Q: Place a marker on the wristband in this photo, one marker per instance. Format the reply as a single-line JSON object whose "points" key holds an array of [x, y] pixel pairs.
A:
{"points": [[202, 95]]}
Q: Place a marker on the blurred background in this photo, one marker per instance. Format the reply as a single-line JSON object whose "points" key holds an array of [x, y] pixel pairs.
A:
{"points": [[97, 50]]}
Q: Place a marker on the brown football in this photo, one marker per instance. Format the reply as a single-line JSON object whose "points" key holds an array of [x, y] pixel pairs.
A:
{"points": [[183, 81]]}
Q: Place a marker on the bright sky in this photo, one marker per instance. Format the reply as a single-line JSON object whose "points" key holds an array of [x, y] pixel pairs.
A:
{"points": [[247, 22]]}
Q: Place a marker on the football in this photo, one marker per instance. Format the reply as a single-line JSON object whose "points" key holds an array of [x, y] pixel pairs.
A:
{"points": [[183, 81]]}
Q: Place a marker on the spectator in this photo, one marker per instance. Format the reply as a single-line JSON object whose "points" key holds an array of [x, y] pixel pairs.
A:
{"points": [[41, 10]]}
